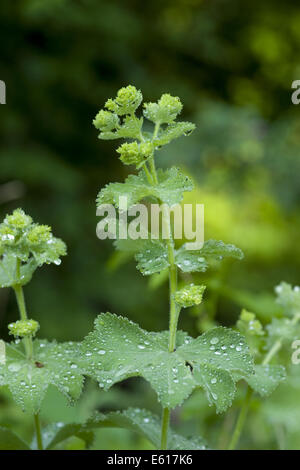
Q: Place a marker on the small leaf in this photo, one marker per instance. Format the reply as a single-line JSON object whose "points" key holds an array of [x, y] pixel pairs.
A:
{"points": [[10, 441], [173, 131], [8, 275], [118, 349], [170, 188], [172, 185], [197, 260], [153, 258], [266, 378], [53, 364]]}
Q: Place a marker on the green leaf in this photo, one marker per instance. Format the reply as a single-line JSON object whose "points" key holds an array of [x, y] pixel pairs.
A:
{"points": [[198, 260], [153, 258], [172, 184], [8, 275], [169, 190], [216, 355], [282, 329], [10, 441], [57, 433], [151, 255], [145, 424], [54, 364], [118, 349], [266, 378], [218, 384], [289, 298], [173, 131]]}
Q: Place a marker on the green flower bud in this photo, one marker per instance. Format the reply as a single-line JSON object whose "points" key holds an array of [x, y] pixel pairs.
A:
{"points": [[18, 219], [247, 323], [134, 153], [127, 101], [106, 121], [189, 295], [164, 111], [38, 234], [23, 328], [7, 235]]}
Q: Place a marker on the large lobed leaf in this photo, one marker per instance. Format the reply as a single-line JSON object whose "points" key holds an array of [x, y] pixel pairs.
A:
{"points": [[152, 255], [118, 349], [28, 381]]}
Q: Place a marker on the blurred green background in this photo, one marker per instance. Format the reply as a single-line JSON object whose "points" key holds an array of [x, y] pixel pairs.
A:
{"points": [[232, 65]]}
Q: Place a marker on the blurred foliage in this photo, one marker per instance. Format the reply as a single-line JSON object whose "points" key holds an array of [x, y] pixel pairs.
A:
{"points": [[233, 67]]}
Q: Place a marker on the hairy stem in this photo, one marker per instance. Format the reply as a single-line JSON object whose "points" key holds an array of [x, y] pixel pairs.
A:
{"points": [[174, 311], [38, 432], [23, 313], [164, 428]]}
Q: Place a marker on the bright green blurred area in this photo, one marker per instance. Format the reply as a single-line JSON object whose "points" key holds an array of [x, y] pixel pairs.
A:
{"points": [[232, 67]]}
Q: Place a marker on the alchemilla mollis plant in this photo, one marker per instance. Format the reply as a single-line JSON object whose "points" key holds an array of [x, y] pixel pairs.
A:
{"points": [[173, 363]]}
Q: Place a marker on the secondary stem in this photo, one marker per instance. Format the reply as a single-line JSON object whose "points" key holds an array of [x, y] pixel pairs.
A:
{"points": [[38, 432], [27, 344], [243, 412], [23, 313], [241, 420]]}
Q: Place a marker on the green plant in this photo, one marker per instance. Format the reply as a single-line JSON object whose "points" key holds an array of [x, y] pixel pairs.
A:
{"points": [[174, 363]]}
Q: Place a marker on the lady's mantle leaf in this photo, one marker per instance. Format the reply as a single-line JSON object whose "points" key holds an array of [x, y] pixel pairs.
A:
{"points": [[53, 364], [173, 131], [197, 260], [170, 188], [118, 349], [266, 378], [8, 274]]}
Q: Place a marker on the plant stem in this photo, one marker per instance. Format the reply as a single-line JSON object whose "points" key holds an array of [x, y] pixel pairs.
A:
{"points": [[148, 174], [164, 428], [38, 432], [28, 345], [243, 412], [174, 311], [23, 313], [241, 420], [274, 349]]}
